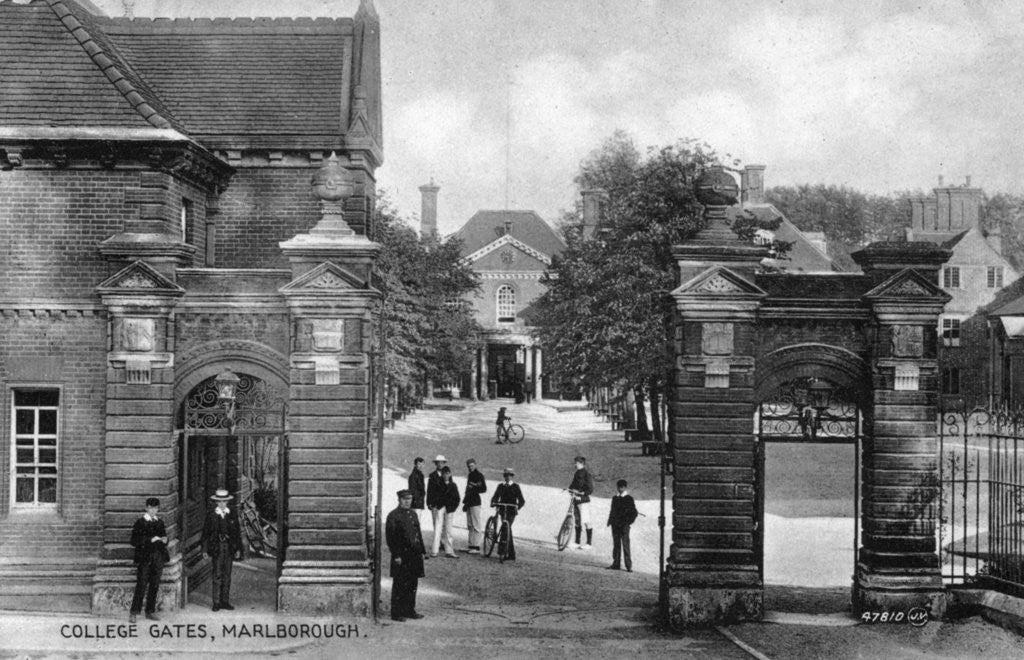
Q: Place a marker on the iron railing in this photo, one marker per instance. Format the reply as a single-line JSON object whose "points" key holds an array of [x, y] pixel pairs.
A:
{"points": [[981, 504]]}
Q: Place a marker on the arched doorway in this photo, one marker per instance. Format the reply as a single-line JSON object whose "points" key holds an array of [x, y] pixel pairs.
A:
{"points": [[232, 435], [808, 448]]}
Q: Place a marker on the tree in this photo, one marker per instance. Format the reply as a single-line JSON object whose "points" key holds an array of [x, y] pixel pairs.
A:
{"points": [[850, 219], [606, 315], [430, 332]]}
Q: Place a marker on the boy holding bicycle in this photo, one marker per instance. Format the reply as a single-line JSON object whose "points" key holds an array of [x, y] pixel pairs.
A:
{"points": [[509, 493], [581, 487], [500, 423]]}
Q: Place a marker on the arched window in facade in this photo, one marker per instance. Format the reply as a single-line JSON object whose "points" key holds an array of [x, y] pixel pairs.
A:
{"points": [[506, 304]]}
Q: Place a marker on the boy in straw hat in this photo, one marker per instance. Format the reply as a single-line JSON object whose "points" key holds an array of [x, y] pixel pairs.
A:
{"points": [[222, 541]]}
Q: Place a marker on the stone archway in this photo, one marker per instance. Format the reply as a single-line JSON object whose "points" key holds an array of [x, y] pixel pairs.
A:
{"points": [[740, 332], [244, 452]]}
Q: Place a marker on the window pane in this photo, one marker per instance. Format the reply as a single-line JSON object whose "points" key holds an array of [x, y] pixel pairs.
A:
{"points": [[47, 421], [25, 421], [47, 442], [24, 490], [47, 455], [48, 491], [26, 455], [48, 470], [36, 397]]}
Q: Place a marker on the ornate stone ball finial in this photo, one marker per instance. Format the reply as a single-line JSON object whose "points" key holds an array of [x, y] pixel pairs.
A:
{"points": [[716, 187]]}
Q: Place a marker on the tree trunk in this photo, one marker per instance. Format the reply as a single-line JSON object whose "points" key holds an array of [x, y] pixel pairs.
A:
{"points": [[641, 413], [656, 414]]}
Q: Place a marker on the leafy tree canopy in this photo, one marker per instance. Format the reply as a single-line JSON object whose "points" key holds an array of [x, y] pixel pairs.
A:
{"points": [[430, 333]]}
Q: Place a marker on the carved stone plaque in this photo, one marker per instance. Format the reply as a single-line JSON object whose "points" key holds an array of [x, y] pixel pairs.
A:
{"points": [[716, 338], [328, 334], [138, 334], [908, 341]]}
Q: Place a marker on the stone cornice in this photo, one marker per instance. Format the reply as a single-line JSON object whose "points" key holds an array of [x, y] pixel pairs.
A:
{"points": [[510, 275], [508, 239]]}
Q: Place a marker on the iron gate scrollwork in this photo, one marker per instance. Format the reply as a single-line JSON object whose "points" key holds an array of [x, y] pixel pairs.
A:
{"points": [[811, 410], [255, 407]]}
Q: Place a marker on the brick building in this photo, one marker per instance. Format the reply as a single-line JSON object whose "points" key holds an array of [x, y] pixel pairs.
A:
{"points": [[160, 230], [975, 273], [510, 251]]}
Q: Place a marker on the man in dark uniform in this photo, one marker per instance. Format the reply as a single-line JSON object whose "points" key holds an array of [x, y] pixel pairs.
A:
{"points": [[405, 543], [621, 516], [222, 541], [417, 484], [149, 537]]}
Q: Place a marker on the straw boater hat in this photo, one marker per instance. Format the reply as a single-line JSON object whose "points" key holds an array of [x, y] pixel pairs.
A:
{"points": [[440, 459], [222, 495], [508, 470]]}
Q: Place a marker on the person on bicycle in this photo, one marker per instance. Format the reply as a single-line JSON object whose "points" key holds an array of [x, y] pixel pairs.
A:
{"points": [[508, 492], [500, 423], [582, 486]]}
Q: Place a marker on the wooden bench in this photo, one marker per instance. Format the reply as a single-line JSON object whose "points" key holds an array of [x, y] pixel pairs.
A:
{"points": [[636, 435], [619, 424], [651, 448]]}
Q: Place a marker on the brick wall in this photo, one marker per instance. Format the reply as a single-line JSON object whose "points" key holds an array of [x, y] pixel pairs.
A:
{"points": [[51, 224], [262, 207], [66, 350]]}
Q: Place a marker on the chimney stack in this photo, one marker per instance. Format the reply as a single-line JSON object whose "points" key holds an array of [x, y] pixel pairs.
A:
{"points": [[593, 201], [428, 211], [752, 184]]}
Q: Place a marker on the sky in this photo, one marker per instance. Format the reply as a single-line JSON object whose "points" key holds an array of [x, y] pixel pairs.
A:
{"points": [[498, 101]]}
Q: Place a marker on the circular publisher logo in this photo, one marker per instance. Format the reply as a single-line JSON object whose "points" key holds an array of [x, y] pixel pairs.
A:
{"points": [[917, 617]]}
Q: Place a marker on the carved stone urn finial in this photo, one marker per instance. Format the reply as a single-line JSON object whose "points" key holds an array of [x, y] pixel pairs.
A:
{"points": [[332, 185]]}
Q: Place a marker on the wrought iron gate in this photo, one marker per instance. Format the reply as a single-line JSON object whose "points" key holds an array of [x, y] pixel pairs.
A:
{"points": [[807, 411], [981, 499], [241, 446]]}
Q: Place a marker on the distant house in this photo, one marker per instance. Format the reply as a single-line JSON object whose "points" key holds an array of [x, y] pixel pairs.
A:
{"points": [[808, 252], [510, 250], [976, 272]]}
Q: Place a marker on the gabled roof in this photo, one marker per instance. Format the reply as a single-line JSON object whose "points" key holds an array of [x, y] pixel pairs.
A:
{"points": [[244, 82], [486, 227], [803, 256], [59, 68]]}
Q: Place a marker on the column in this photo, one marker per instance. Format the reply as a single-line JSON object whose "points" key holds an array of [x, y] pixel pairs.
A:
{"points": [[485, 381]]}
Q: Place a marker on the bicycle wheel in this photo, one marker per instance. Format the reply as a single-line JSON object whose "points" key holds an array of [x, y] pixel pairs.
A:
{"points": [[516, 433], [490, 535], [504, 537], [565, 533]]}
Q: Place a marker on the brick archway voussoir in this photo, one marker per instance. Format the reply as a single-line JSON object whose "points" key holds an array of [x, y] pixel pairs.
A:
{"points": [[837, 365]]}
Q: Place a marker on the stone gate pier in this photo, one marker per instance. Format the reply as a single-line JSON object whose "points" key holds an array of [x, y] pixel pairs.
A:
{"points": [[741, 334]]}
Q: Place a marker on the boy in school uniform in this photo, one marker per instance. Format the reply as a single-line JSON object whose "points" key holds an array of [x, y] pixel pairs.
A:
{"points": [[623, 513]]}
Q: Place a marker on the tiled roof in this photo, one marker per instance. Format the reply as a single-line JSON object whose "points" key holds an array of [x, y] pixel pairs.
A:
{"points": [[803, 256], [485, 227], [57, 68], [247, 82], [833, 287]]}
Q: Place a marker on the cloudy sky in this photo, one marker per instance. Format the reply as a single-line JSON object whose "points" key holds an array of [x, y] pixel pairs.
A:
{"points": [[880, 95]]}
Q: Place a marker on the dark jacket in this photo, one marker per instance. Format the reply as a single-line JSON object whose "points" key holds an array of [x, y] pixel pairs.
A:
{"points": [[435, 491], [623, 511], [402, 533], [419, 490], [508, 494], [217, 527], [142, 539], [475, 484], [582, 482], [451, 496]]}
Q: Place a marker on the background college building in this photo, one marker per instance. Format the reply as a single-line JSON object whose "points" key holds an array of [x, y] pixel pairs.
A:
{"points": [[185, 296]]}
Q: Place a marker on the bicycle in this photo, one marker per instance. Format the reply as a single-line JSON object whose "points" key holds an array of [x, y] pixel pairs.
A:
{"points": [[565, 531], [262, 534], [509, 432], [493, 537]]}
